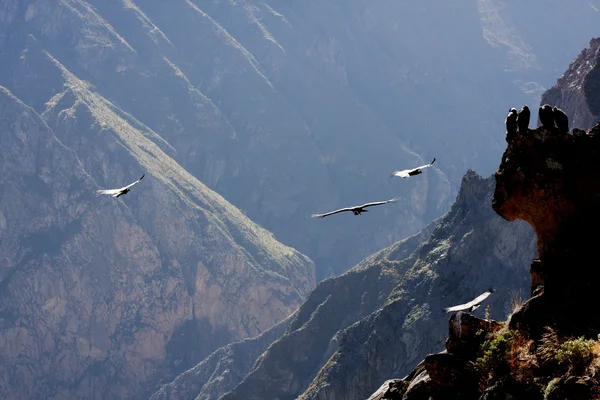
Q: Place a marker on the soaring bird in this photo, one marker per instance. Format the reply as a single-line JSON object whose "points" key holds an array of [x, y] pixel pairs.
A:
{"points": [[546, 116], [561, 119], [523, 118], [120, 191], [411, 172], [511, 123], [357, 210], [471, 305]]}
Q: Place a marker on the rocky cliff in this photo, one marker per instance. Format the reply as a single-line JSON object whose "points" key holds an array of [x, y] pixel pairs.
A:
{"points": [[549, 348], [386, 313], [102, 297], [287, 109], [577, 91]]}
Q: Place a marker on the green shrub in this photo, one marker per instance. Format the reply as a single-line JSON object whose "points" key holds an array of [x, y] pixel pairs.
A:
{"points": [[493, 351], [577, 352]]}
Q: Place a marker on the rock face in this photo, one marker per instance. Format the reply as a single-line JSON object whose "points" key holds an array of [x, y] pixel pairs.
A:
{"points": [[578, 90], [102, 297], [222, 370], [386, 313], [551, 181], [287, 109], [469, 250]]}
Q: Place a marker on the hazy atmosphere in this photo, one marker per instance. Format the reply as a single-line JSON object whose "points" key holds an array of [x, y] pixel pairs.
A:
{"points": [[163, 165]]}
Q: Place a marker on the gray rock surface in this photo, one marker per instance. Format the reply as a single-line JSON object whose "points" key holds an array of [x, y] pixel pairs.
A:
{"points": [[379, 319], [288, 109], [102, 297], [577, 91]]}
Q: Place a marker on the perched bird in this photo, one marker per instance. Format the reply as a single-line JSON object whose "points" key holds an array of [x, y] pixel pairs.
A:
{"points": [[523, 118], [471, 305], [561, 119], [411, 172], [120, 191], [546, 116], [357, 210], [511, 123]]}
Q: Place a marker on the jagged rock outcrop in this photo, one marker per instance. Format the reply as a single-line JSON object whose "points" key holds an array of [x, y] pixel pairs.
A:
{"points": [[287, 109], [551, 181], [343, 340], [103, 298], [578, 89]]}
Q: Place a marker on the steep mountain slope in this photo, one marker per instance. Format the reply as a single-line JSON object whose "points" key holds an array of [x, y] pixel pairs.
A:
{"points": [[223, 369], [366, 288], [103, 297], [577, 91], [292, 108], [385, 314]]}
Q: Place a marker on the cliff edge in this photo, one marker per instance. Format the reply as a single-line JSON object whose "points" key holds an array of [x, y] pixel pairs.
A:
{"points": [[550, 347], [552, 181]]}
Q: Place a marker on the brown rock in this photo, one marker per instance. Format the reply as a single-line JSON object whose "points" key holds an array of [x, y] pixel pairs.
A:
{"points": [[392, 389], [509, 389], [467, 333], [571, 388], [452, 376], [553, 182]]}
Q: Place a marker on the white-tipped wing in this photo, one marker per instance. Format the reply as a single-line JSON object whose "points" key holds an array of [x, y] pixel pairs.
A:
{"points": [[407, 172], [114, 192], [332, 212], [134, 183], [476, 301], [378, 203]]}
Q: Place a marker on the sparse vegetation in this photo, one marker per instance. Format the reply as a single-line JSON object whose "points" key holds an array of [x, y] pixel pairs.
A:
{"points": [[578, 353], [509, 352], [494, 352], [515, 301], [550, 387]]}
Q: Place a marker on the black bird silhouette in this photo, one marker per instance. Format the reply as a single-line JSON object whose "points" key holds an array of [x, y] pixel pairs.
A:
{"points": [[471, 305], [561, 119], [411, 172], [546, 116], [511, 123], [357, 210], [523, 118], [120, 191]]}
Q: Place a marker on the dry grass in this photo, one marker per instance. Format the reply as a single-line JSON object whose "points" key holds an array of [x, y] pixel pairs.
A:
{"points": [[577, 355], [511, 353], [521, 358], [548, 347], [516, 299]]}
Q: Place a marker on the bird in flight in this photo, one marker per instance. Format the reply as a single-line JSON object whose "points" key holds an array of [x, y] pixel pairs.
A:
{"points": [[471, 305], [120, 191], [411, 172], [357, 210]]}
